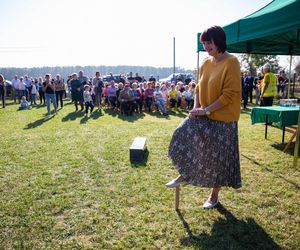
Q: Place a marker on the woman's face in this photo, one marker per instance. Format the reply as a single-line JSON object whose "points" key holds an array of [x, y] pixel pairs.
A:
{"points": [[210, 48]]}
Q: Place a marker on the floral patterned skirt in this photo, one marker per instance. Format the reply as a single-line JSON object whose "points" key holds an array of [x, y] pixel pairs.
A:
{"points": [[206, 152]]}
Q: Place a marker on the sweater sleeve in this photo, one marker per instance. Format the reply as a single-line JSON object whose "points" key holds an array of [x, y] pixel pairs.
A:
{"points": [[232, 83]]}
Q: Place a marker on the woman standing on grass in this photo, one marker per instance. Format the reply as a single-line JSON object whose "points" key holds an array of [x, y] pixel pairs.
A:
{"points": [[204, 148], [2, 90], [77, 91]]}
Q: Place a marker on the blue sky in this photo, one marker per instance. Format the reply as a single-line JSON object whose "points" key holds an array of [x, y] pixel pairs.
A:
{"points": [[115, 32]]}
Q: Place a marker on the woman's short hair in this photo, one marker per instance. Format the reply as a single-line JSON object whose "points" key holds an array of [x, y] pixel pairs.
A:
{"points": [[215, 34]]}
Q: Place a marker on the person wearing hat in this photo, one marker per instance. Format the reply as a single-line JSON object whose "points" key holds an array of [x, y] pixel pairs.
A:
{"points": [[268, 91]]}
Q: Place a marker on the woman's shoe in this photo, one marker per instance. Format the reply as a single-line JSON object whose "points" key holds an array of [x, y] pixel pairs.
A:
{"points": [[175, 183], [209, 204]]}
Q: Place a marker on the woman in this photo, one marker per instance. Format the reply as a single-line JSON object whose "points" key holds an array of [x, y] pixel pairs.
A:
{"points": [[204, 148], [77, 92], [59, 90]]}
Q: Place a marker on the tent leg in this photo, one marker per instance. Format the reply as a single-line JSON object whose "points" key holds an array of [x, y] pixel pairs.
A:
{"points": [[296, 149], [290, 72], [197, 66]]}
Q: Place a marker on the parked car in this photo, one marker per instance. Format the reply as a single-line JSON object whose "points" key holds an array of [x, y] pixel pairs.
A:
{"points": [[183, 77], [106, 78]]}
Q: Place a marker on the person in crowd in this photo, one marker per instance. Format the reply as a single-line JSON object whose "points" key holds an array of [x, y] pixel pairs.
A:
{"points": [[148, 96], [69, 86], [33, 92], [138, 98], [111, 77], [281, 81], [120, 87], [244, 92], [2, 90], [49, 90], [40, 90], [159, 100], [164, 92], [77, 92], [27, 82], [82, 78], [24, 104], [192, 90], [204, 148], [268, 91], [249, 81], [179, 96], [88, 101], [187, 96], [257, 85], [98, 89], [122, 78], [22, 88], [105, 94], [112, 95], [15, 84], [126, 99], [173, 96], [59, 90]]}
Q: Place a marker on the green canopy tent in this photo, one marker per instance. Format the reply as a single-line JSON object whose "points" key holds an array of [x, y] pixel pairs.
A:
{"points": [[272, 30]]}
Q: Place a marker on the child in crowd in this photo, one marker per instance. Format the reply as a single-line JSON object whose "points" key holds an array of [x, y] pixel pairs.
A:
{"points": [[173, 96], [34, 92], [88, 101], [24, 104]]}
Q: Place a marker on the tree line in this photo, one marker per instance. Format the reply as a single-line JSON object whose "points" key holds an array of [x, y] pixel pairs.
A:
{"points": [[65, 71]]}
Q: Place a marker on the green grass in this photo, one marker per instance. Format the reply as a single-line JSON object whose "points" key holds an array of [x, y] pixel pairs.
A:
{"points": [[67, 183]]}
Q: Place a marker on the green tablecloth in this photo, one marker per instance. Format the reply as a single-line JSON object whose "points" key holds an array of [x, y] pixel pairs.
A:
{"points": [[284, 116]]}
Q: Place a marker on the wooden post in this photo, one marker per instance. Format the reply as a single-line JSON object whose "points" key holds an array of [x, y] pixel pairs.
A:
{"points": [[177, 196]]}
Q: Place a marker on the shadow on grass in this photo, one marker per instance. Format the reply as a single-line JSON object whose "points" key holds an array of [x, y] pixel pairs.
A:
{"points": [[281, 146], [38, 122], [296, 185], [143, 163], [115, 113], [229, 233], [72, 116]]}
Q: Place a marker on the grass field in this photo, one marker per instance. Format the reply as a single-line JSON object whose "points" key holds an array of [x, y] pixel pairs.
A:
{"points": [[67, 183]]}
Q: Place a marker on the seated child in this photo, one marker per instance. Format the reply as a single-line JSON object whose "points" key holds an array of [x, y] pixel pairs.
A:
{"points": [[24, 104]]}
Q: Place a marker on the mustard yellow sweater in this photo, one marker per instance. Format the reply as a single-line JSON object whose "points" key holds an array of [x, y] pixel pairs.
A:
{"points": [[221, 80]]}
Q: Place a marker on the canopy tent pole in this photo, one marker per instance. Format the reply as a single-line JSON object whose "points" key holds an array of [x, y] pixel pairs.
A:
{"points": [[296, 149], [289, 86], [197, 66]]}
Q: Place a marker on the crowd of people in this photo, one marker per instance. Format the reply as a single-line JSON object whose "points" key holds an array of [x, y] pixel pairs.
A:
{"points": [[127, 95], [264, 95]]}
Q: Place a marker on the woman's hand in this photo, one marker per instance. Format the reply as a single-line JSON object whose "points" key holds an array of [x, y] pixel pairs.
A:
{"points": [[195, 112]]}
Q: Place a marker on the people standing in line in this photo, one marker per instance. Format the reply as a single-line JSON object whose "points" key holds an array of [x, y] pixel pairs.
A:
{"points": [[2, 90], [49, 90], [77, 92], [33, 92], [204, 148], [98, 89], [15, 85], [268, 91], [59, 90], [88, 101]]}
